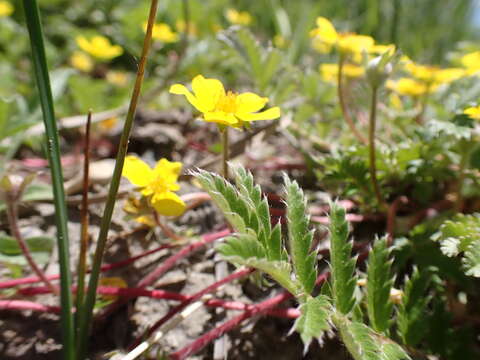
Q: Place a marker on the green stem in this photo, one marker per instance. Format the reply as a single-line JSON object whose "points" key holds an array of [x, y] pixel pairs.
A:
{"points": [[32, 18], [371, 147], [343, 103], [86, 317], [225, 152], [82, 259]]}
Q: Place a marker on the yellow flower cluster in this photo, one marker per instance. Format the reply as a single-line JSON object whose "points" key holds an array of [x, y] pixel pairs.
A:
{"points": [[162, 32], [225, 108], [81, 61], [329, 72], [158, 185], [325, 37], [6, 9], [99, 47], [236, 17]]}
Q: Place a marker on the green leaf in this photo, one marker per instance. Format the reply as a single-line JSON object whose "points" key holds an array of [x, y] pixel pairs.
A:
{"points": [[411, 314], [40, 248], [460, 235], [34, 192], [246, 250], [364, 344], [471, 260], [314, 320], [379, 283], [300, 237], [342, 264]]}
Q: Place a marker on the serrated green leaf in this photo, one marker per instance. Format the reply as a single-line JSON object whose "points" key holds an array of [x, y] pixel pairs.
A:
{"points": [[314, 320], [245, 250], [379, 283], [342, 264], [471, 260], [364, 344], [411, 315], [300, 237]]}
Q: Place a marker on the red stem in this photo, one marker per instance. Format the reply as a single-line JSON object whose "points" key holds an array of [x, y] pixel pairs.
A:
{"points": [[197, 296], [35, 279], [251, 311]]}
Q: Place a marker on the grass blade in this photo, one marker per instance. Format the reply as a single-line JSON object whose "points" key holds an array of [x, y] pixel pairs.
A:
{"points": [[32, 18], [85, 318]]}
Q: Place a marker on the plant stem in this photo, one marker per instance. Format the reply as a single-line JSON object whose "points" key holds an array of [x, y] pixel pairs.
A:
{"points": [[87, 313], [465, 153], [166, 229], [225, 152], [371, 147], [12, 216], [343, 103], [82, 260], [34, 26]]}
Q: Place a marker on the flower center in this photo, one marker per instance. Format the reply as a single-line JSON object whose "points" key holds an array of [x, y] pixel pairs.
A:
{"points": [[160, 184], [227, 103]]}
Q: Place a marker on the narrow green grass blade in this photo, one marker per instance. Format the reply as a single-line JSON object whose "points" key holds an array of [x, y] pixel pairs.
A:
{"points": [[32, 18], [86, 315]]}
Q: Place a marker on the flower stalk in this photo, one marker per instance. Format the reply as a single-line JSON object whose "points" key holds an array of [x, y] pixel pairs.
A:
{"points": [[225, 151], [372, 148], [343, 103]]}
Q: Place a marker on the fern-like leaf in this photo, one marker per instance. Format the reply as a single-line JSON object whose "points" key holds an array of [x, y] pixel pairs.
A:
{"points": [[471, 259], [342, 264], [300, 237], [379, 283], [411, 316], [314, 320]]}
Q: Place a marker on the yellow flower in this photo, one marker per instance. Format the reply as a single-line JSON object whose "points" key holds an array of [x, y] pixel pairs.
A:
{"points": [[81, 61], [395, 101], [181, 26], [140, 210], [355, 44], [158, 184], [162, 32], [108, 124], [473, 112], [325, 37], [118, 78], [225, 108], [406, 86], [6, 9], [99, 47], [434, 74], [471, 62], [329, 72], [238, 17]]}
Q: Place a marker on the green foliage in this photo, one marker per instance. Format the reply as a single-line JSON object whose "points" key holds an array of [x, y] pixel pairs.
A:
{"points": [[342, 264], [300, 236], [412, 323], [379, 283], [40, 248], [315, 319], [461, 235], [364, 344]]}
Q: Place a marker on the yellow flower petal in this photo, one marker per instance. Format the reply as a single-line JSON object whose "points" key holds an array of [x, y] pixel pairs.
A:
{"points": [[137, 171], [6, 9], [249, 102], [179, 89], [207, 92], [165, 167], [270, 114], [473, 112], [221, 117], [168, 204]]}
